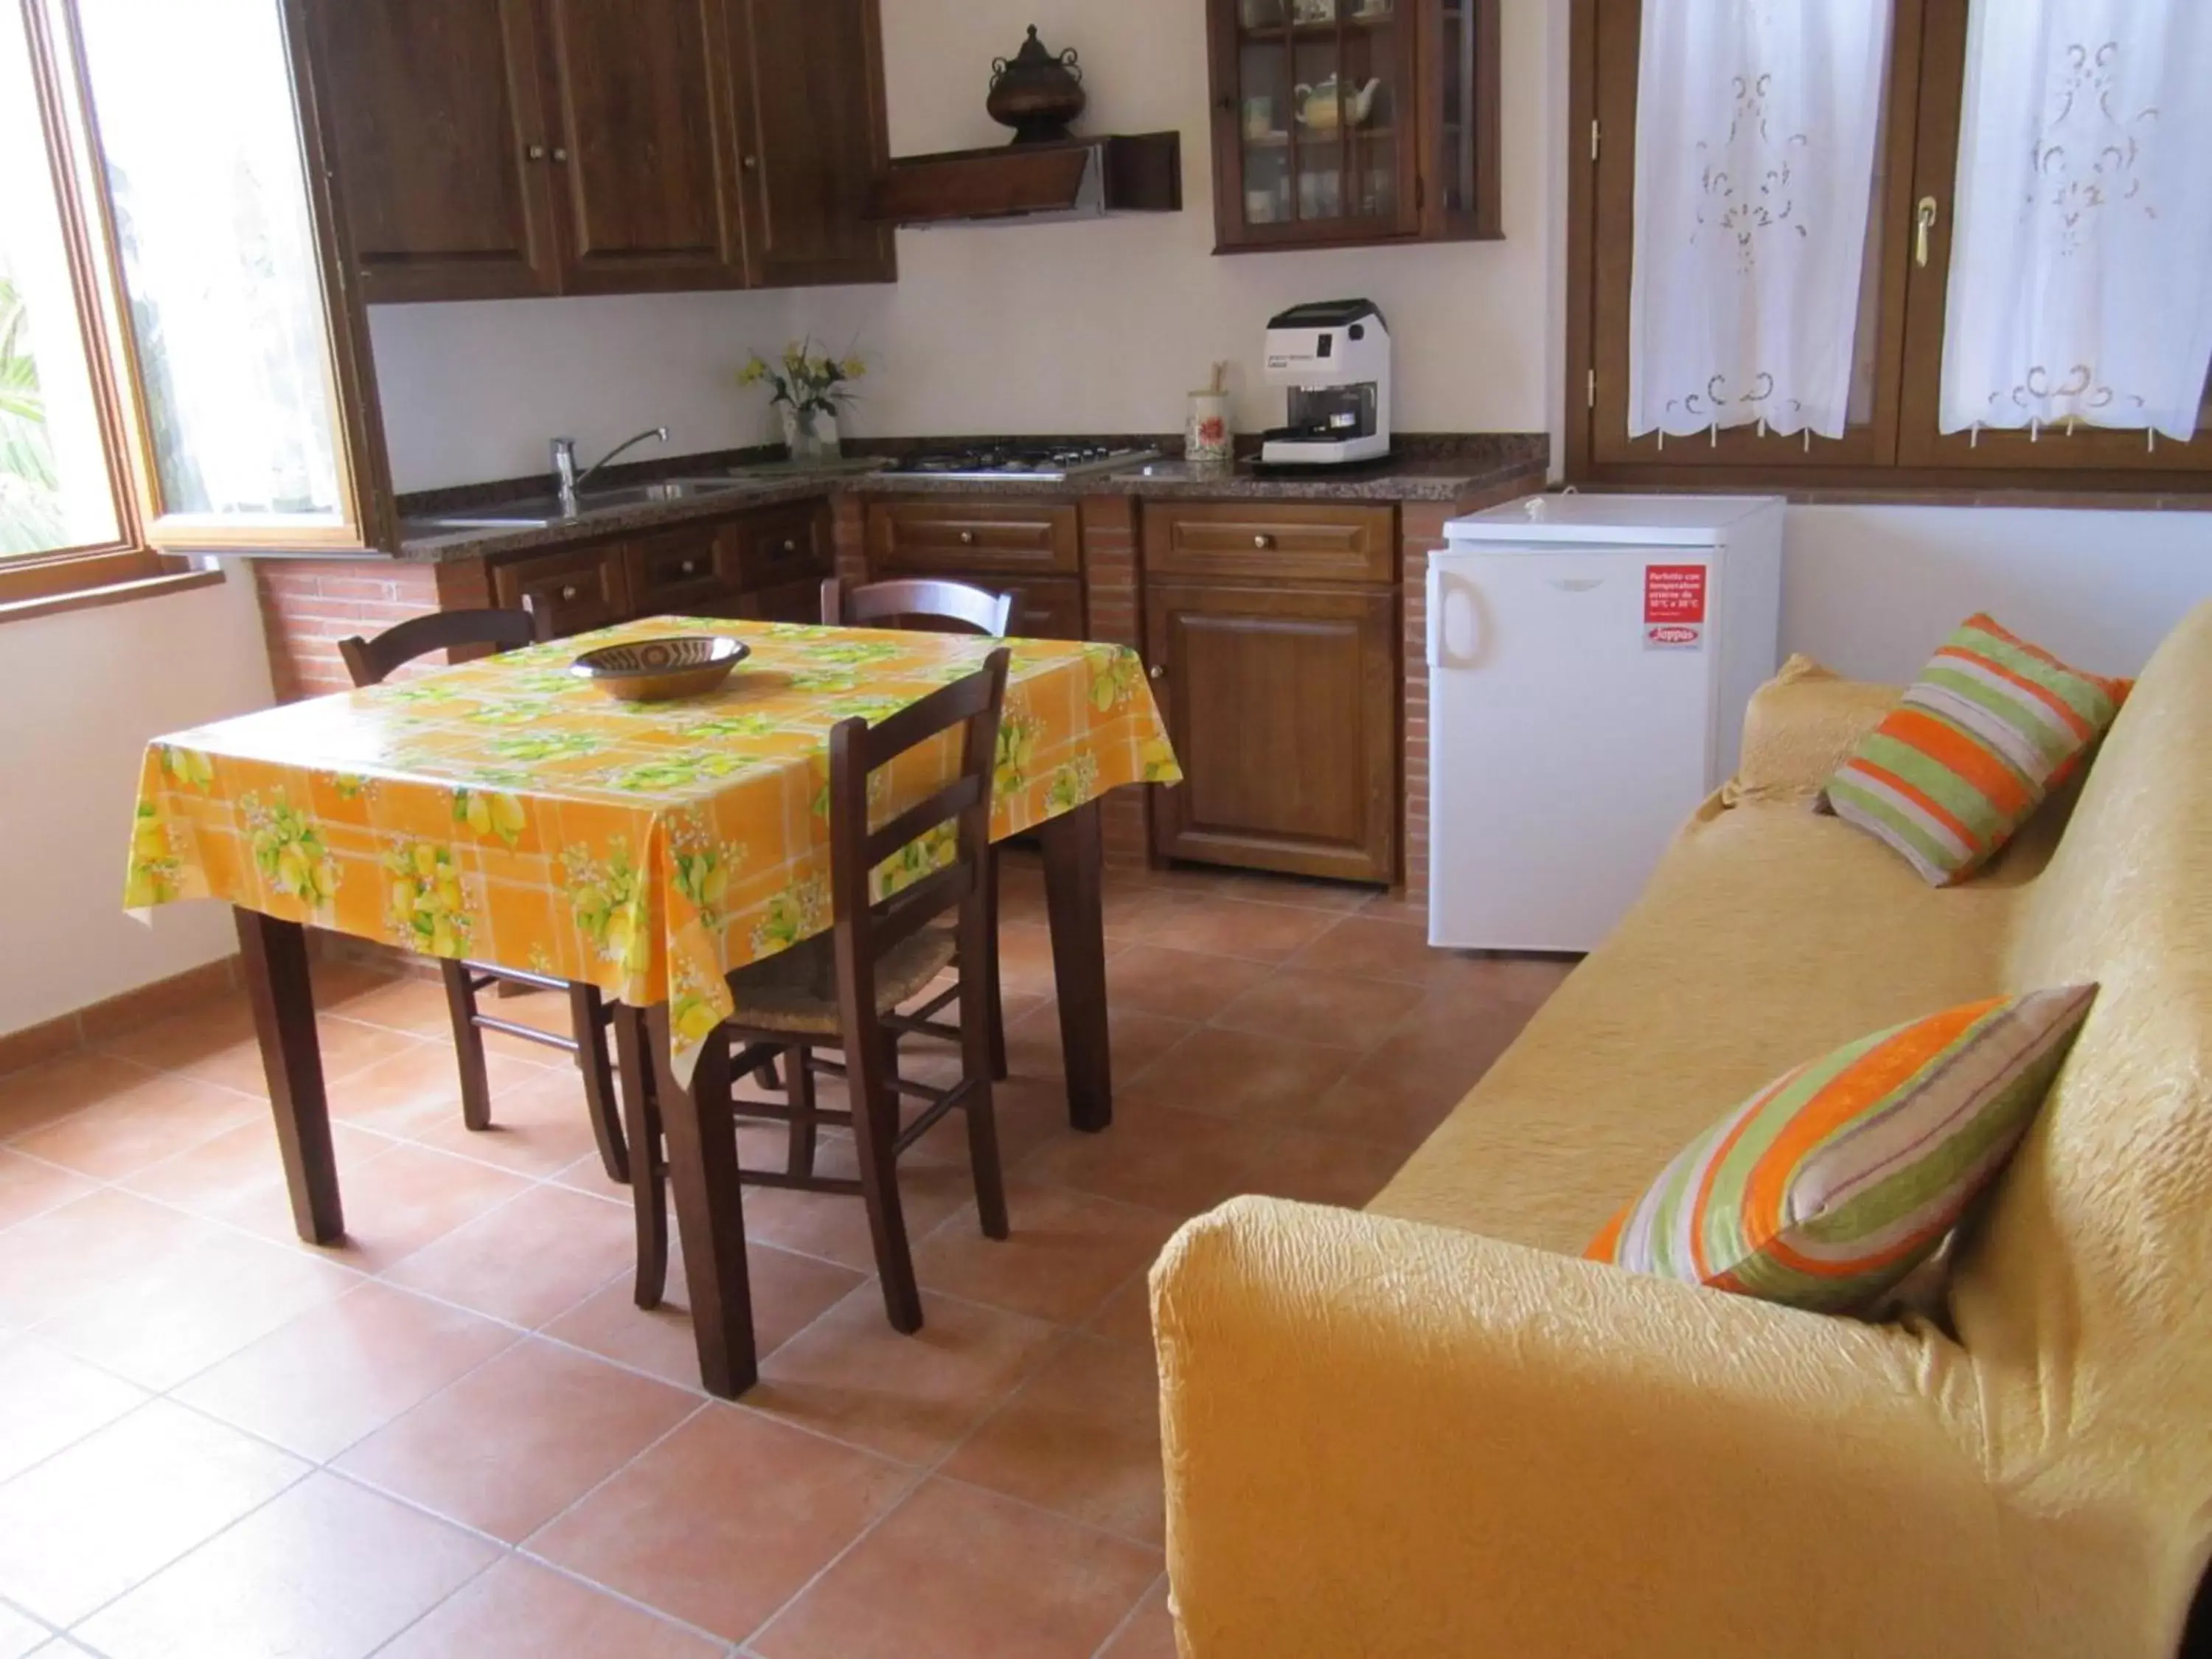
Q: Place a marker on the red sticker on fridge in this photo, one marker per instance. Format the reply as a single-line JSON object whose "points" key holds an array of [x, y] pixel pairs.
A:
{"points": [[1674, 607]]}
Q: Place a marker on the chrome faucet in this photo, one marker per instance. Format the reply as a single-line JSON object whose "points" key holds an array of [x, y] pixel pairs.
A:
{"points": [[564, 465]]}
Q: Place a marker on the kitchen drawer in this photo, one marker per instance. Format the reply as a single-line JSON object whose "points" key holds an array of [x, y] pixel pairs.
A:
{"points": [[937, 538], [673, 572], [778, 545], [1272, 541], [573, 592]]}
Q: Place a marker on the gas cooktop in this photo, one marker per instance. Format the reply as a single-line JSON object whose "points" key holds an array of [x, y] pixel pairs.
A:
{"points": [[1046, 463]]}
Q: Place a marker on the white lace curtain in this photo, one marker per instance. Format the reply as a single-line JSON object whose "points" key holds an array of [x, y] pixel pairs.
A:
{"points": [[1756, 129], [2080, 280]]}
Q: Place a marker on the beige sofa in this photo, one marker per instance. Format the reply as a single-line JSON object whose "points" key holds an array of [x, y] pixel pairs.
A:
{"points": [[1429, 1429]]}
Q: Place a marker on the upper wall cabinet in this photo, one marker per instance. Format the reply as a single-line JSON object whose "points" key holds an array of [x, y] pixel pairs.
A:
{"points": [[505, 149], [1348, 123]]}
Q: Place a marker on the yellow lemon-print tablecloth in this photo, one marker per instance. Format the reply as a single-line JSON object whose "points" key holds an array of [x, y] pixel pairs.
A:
{"points": [[509, 813]]}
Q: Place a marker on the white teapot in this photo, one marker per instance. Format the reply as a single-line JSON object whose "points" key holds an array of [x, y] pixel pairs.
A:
{"points": [[1320, 108]]}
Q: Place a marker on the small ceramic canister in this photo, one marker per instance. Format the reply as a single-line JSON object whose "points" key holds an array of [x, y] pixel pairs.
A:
{"points": [[1208, 439]]}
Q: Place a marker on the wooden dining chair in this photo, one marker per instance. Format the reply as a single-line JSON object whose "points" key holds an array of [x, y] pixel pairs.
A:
{"points": [[846, 988], [371, 662]]}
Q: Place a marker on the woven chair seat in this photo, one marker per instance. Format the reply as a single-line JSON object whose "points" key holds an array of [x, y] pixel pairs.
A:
{"points": [[795, 991]]}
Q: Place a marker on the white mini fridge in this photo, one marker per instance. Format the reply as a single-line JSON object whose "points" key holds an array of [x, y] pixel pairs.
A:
{"points": [[1590, 660]]}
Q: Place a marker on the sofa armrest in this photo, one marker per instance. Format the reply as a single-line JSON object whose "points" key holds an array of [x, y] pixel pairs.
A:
{"points": [[1799, 726], [1388, 1439]]}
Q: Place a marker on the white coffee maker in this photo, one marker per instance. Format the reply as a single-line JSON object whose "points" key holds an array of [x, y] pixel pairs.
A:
{"points": [[1334, 357]]}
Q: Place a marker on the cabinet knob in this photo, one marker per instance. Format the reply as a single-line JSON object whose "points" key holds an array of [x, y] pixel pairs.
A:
{"points": [[1263, 542], [1159, 671], [752, 164], [690, 566], [790, 546], [967, 538], [535, 152], [569, 591], [560, 155]]}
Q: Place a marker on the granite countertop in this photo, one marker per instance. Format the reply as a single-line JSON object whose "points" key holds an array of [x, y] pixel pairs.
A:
{"points": [[1428, 469]]}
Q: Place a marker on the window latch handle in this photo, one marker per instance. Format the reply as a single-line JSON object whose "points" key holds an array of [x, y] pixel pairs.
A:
{"points": [[1923, 220]]}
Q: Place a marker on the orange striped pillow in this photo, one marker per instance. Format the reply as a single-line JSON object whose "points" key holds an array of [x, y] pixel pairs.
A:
{"points": [[1835, 1181], [1992, 726]]}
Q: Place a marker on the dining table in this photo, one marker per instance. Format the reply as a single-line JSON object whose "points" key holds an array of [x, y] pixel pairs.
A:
{"points": [[506, 811]]}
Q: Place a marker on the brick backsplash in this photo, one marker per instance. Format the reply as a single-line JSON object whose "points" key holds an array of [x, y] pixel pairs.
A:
{"points": [[307, 606]]}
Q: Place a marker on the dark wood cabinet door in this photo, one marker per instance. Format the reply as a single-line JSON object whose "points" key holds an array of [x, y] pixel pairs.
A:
{"points": [[641, 152], [779, 545], [811, 137], [583, 589], [675, 572], [1051, 607], [438, 138], [1282, 704], [786, 602]]}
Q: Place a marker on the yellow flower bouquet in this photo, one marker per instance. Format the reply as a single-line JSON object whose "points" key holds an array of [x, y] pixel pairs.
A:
{"points": [[810, 389]]}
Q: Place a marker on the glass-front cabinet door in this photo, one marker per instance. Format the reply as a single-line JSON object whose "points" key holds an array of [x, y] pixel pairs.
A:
{"points": [[1351, 121]]}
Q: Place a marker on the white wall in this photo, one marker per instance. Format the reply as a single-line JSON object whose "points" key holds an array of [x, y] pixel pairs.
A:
{"points": [[1871, 591], [84, 691], [1097, 327]]}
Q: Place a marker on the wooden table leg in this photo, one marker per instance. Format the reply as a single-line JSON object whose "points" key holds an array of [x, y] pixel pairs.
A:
{"points": [[277, 983], [703, 1175], [1074, 866]]}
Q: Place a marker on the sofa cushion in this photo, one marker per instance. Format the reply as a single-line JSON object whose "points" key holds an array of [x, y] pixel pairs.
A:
{"points": [[1977, 743], [1767, 933], [1833, 1182]]}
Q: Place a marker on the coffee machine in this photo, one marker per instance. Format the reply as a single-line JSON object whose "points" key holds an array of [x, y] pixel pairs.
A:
{"points": [[1334, 357]]}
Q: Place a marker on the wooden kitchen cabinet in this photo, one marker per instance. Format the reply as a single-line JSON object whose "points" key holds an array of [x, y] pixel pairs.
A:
{"points": [[503, 149], [576, 590], [1346, 123], [811, 137], [641, 154], [675, 572], [1283, 705], [439, 133], [1032, 548]]}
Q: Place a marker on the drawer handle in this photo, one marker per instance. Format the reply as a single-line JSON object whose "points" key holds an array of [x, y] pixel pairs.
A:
{"points": [[791, 547], [690, 566], [1159, 671], [967, 538], [569, 591], [560, 155], [535, 152], [1263, 542]]}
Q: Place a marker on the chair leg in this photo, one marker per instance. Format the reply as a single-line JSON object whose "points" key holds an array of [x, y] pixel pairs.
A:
{"points": [[468, 1045], [996, 1010], [800, 1095], [587, 1012], [983, 1161], [649, 1184], [875, 1125]]}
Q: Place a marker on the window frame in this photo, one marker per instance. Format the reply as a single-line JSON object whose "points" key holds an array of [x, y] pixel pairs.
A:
{"points": [[153, 549], [1900, 455]]}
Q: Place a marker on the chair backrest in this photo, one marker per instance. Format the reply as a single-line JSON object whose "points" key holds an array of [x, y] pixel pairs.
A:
{"points": [[371, 662], [865, 927], [994, 614]]}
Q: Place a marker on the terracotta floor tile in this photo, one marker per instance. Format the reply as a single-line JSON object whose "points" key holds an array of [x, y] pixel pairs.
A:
{"points": [[326, 1571], [1370, 946], [1135, 1038], [28, 1188], [520, 1610], [341, 1372], [69, 1257], [789, 1292], [1238, 1075], [90, 1521], [40, 1095], [20, 1634], [418, 1090], [1298, 1006], [407, 1198], [50, 1400], [1127, 1316], [1150, 1631], [1025, 957], [539, 1126], [837, 1228], [1184, 983], [1029, 1112], [517, 1441], [1081, 1438], [1234, 927], [1067, 1252], [849, 1375], [238, 1178], [217, 1044], [1159, 1157], [959, 1574], [176, 1314], [1321, 1168], [1339, 897], [134, 1127], [1517, 986], [726, 1520], [1398, 1093], [412, 1003], [530, 1260]]}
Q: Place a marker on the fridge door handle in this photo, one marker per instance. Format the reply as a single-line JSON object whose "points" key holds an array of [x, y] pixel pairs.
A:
{"points": [[1441, 586], [1436, 618]]}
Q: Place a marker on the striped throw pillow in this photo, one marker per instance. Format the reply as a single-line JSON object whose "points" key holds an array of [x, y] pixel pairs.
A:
{"points": [[1990, 728], [1829, 1185]]}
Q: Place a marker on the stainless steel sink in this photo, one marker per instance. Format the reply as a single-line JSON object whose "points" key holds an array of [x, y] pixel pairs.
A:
{"points": [[668, 490], [537, 512]]}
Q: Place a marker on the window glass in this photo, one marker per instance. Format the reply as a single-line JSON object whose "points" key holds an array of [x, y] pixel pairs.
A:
{"points": [[204, 167], [55, 489]]}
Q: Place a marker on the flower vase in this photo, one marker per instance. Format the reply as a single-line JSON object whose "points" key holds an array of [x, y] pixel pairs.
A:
{"points": [[810, 434]]}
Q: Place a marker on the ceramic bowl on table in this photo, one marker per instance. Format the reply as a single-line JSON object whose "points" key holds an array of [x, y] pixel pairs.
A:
{"points": [[659, 671]]}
